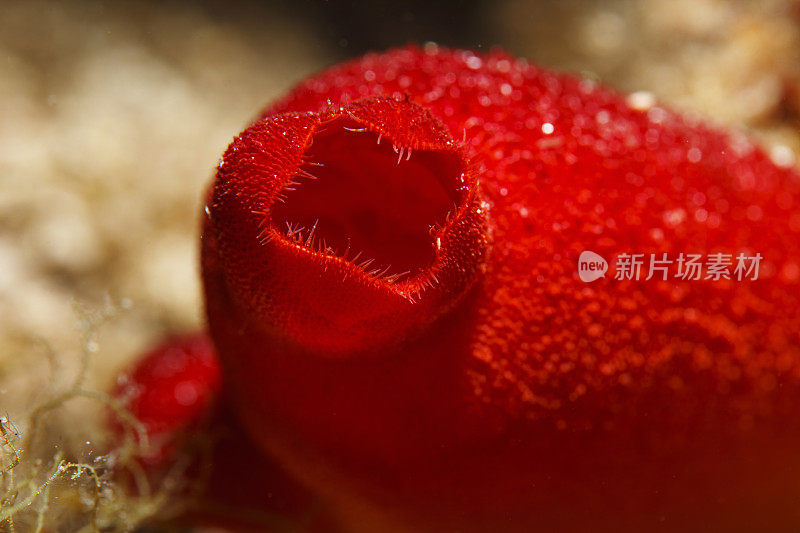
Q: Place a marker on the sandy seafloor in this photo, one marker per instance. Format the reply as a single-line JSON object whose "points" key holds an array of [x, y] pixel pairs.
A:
{"points": [[113, 116]]}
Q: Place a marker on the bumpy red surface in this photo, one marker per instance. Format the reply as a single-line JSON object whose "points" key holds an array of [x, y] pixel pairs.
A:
{"points": [[489, 388]]}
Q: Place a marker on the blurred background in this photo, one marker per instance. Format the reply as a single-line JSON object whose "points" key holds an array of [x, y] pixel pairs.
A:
{"points": [[113, 116]]}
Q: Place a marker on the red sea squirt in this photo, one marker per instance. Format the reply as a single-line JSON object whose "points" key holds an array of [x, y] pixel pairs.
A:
{"points": [[390, 268]]}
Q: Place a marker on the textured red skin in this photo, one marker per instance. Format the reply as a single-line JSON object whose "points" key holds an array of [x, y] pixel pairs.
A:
{"points": [[535, 400], [318, 300]]}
